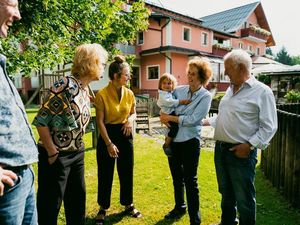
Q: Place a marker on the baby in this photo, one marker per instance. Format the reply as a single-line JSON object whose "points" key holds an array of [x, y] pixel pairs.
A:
{"points": [[167, 103]]}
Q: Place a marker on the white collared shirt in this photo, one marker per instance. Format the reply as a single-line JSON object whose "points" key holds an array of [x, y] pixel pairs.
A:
{"points": [[249, 115]]}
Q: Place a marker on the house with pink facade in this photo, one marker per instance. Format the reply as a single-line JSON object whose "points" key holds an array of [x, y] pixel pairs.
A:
{"points": [[173, 38]]}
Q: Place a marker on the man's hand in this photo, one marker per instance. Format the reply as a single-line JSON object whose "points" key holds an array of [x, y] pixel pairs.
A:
{"points": [[241, 150], [6, 177]]}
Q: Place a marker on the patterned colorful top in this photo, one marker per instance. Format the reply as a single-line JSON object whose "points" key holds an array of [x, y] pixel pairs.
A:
{"points": [[66, 111], [17, 145]]}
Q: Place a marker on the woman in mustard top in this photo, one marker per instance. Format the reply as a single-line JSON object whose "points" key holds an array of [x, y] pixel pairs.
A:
{"points": [[115, 112]]}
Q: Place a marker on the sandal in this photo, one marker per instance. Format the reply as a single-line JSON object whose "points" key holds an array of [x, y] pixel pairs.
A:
{"points": [[100, 217], [132, 211]]}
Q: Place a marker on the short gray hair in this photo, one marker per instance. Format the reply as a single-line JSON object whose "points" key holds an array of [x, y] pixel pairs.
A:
{"points": [[239, 57]]}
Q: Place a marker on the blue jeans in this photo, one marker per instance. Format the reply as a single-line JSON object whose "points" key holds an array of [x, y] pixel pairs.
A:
{"points": [[236, 184], [17, 205]]}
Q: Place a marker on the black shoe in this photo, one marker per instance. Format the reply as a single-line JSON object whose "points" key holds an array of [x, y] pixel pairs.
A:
{"points": [[175, 213]]}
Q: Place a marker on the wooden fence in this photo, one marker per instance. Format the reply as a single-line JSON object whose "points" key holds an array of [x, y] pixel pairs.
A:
{"points": [[281, 161]]}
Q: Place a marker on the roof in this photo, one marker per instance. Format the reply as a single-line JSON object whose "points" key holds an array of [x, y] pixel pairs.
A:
{"points": [[261, 60], [165, 12], [229, 20], [232, 20]]}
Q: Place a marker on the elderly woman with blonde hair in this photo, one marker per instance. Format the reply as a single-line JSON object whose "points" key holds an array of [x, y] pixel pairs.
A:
{"points": [[61, 124]]}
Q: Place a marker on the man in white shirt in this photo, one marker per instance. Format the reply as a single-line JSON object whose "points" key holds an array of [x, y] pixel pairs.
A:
{"points": [[247, 120]]}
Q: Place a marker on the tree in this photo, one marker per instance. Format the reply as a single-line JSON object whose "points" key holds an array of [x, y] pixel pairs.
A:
{"points": [[283, 57], [269, 51], [50, 30], [296, 60]]}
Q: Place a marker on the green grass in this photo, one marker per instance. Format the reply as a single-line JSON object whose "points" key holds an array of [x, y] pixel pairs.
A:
{"points": [[153, 193]]}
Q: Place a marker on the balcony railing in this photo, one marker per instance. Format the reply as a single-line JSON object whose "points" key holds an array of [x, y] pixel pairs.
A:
{"points": [[220, 49], [255, 34]]}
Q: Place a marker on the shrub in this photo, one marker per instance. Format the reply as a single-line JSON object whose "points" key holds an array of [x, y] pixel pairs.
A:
{"points": [[292, 96]]}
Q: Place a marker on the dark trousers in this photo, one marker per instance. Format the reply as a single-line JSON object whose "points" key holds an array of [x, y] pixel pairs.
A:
{"points": [[236, 184], [173, 129], [106, 166], [61, 181], [183, 165]]}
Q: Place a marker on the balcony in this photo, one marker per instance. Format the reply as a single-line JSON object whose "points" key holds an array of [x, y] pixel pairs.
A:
{"points": [[256, 34], [220, 49]]}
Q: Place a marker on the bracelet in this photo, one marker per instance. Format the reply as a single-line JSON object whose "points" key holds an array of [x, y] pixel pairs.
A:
{"points": [[110, 143], [51, 156]]}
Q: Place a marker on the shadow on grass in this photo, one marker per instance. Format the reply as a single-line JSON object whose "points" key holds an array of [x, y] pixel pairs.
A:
{"points": [[165, 222], [109, 219]]}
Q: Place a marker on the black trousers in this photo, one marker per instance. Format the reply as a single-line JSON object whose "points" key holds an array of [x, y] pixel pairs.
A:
{"points": [[173, 129], [61, 181], [106, 166], [184, 165]]}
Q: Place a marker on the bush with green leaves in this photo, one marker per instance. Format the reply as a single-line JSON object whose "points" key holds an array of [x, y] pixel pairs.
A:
{"points": [[292, 96], [264, 79]]}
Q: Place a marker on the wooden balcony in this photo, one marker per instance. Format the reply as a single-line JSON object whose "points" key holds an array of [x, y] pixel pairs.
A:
{"points": [[253, 35], [220, 50]]}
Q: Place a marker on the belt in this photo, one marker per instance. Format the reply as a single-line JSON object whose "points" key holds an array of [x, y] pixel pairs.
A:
{"points": [[227, 145]]}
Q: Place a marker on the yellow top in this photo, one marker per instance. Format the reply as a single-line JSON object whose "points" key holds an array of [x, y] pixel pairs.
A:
{"points": [[115, 111]]}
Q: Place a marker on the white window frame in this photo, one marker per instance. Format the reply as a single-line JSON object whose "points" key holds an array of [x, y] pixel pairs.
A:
{"points": [[241, 45], [138, 38], [258, 51], [250, 48], [190, 33], [158, 66], [204, 34]]}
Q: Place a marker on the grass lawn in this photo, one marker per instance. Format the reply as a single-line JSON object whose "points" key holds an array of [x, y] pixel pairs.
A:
{"points": [[153, 192]]}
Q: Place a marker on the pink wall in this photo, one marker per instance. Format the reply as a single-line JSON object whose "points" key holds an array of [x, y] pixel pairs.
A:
{"points": [[156, 59], [195, 42], [179, 64], [252, 19], [152, 38]]}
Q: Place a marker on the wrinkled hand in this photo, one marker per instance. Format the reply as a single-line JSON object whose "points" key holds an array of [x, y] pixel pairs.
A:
{"points": [[185, 102], [127, 128], [164, 118], [241, 150], [113, 150], [6, 177]]}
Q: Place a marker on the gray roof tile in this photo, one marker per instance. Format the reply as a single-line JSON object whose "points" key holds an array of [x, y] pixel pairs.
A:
{"points": [[230, 20]]}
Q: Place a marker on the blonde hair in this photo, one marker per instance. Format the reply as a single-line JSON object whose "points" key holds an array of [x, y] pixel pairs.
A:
{"points": [[87, 60], [169, 77], [203, 68]]}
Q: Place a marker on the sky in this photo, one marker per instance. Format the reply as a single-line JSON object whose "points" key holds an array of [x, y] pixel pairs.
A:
{"points": [[283, 17]]}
